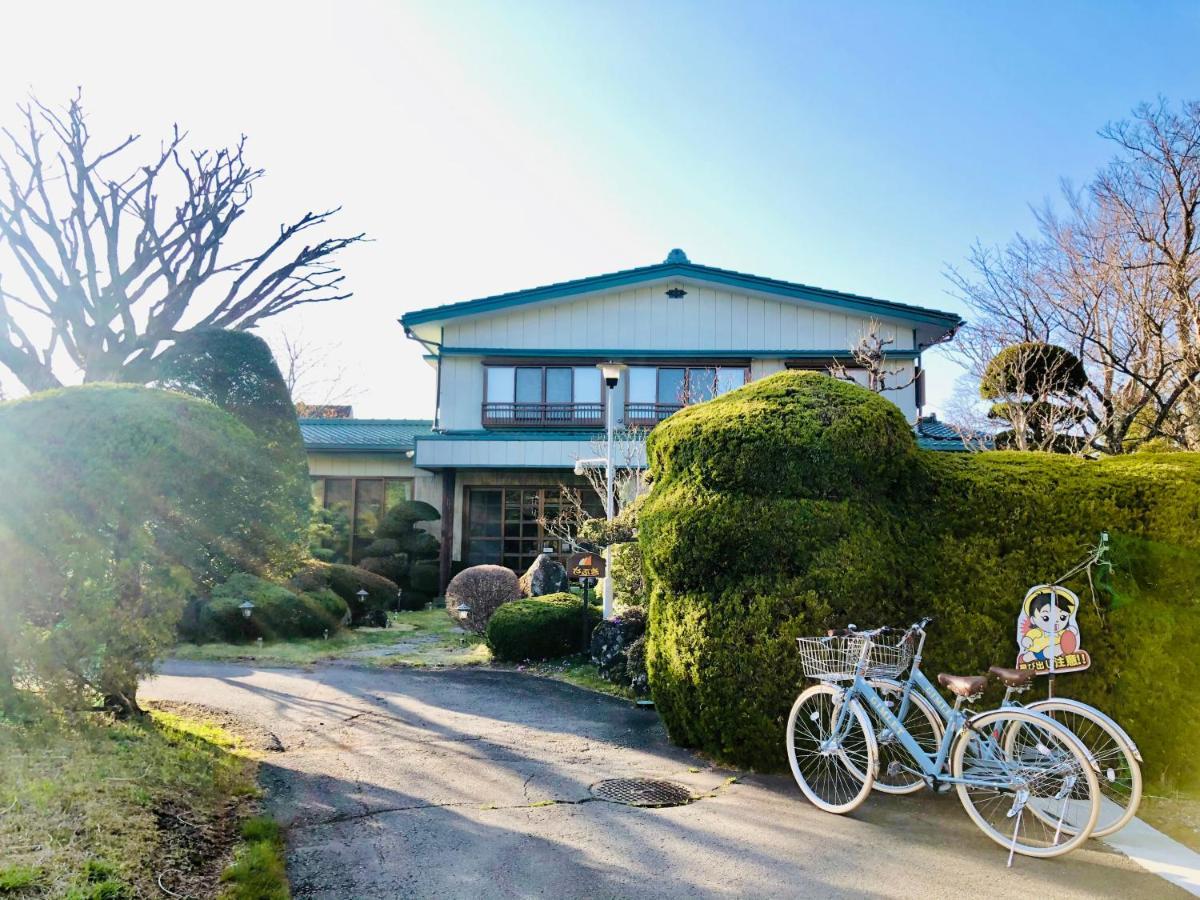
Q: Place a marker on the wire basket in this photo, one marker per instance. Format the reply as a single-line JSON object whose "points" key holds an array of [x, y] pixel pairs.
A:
{"points": [[836, 658]]}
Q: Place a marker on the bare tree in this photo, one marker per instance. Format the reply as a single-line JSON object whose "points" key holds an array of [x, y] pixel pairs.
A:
{"points": [[869, 354], [1115, 279], [574, 521], [103, 268], [311, 371]]}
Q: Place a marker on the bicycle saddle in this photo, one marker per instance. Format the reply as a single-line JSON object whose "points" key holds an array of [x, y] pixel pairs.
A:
{"points": [[963, 685], [1013, 678]]}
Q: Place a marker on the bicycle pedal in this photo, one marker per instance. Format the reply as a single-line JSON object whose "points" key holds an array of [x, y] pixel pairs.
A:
{"points": [[942, 787]]}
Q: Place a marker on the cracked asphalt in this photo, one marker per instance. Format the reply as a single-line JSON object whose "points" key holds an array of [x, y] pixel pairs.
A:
{"points": [[475, 783]]}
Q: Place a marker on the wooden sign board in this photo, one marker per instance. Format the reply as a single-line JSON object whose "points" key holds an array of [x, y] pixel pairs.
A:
{"points": [[585, 565]]}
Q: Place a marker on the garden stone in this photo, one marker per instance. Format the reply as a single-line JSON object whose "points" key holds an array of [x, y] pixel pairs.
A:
{"points": [[545, 576]]}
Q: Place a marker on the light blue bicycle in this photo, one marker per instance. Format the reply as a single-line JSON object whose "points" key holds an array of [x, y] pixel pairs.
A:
{"points": [[919, 705], [1025, 780]]}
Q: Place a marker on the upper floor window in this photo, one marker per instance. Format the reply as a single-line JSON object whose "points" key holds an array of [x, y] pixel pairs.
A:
{"points": [[657, 391], [542, 395]]}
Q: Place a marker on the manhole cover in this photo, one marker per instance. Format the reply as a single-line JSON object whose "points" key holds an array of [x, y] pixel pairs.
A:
{"points": [[641, 792]]}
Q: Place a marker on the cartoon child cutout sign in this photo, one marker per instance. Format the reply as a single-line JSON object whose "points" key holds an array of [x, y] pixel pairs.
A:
{"points": [[1047, 633]]}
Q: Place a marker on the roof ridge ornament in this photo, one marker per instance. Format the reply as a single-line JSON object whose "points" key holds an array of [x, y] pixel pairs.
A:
{"points": [[677, 257]]}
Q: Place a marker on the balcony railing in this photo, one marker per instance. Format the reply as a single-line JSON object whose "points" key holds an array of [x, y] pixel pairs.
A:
{"points": [[649, 413], [520, 415]]}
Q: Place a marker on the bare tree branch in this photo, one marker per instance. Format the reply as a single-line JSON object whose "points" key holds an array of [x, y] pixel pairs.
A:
{"points": [[110, 271]]}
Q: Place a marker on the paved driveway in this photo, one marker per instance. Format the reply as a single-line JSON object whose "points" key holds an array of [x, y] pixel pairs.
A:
{"points": [[474, 783]]}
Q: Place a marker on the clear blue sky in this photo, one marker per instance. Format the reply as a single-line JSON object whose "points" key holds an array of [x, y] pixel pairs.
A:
{"points": [[495, 146]]}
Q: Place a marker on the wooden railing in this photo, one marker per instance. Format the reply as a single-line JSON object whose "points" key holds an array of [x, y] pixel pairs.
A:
{"points": [[519, 415], [649, 413]]}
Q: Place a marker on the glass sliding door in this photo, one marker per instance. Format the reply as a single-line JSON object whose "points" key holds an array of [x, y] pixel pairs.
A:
{"points": [[504, 524]]}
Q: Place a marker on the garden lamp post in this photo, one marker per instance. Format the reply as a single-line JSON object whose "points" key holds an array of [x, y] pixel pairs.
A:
{"points": [[247, 607], [399, 598], [362, 595], [463, 610], [612, 372]]}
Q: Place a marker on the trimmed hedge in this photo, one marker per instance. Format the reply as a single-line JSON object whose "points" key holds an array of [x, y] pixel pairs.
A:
{"points": [[346, 581], [544, 628], [801, 502], [278, 612]]}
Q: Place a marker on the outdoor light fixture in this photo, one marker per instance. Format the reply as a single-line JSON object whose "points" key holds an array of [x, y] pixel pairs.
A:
{"points": [[612, 372], [400, 598], [463, 610], [246, 607], [582, 465], [362, 595]]}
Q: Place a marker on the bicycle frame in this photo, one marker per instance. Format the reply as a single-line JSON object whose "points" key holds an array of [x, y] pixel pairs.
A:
{"points": [[932, 767]]}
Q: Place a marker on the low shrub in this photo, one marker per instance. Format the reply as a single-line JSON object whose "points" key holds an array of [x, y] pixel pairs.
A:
{"points": [[629, 581], [484, 589], [801, 502], [544, 628], [278, 612]]}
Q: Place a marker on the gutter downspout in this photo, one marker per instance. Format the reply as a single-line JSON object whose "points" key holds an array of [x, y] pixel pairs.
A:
{"points": [[434, 349]]}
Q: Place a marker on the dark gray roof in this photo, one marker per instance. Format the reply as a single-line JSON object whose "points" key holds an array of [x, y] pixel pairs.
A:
{"points": [[362, 435], [935, 435]]}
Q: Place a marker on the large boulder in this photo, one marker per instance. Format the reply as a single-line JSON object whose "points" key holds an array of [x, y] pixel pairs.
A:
{"points": [[545, 576]]}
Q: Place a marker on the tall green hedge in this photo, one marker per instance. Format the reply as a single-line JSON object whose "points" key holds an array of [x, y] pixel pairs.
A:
{"points": [[801, 502]]}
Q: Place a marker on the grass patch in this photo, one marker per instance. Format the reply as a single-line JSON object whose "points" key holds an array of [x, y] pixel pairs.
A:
{"points": [[1177, 816], [92, 807], [257, 871], [16, 878], [578, 670], [426, 637]]}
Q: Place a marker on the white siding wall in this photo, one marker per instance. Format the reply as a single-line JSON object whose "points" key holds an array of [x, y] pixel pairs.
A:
{"points": [[643, 318], [461, 406]]}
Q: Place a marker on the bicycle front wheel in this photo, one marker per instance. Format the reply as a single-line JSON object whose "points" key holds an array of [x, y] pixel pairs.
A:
{"points": [[1026, 781], [1119, 774], [833, 756]]}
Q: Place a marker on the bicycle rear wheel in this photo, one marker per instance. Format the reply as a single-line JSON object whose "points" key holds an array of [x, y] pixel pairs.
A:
{"points": [[835, 770], [1027, 782], [898, 772], [1119, 775]]}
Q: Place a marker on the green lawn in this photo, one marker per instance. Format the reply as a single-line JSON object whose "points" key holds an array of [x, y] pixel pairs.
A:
{"points": [[1177, 816], [421, 638], [92, 808]]}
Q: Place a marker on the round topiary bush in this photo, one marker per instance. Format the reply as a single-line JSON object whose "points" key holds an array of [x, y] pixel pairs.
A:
{"points": [[544, 628], [484, 589], [799, 502]]}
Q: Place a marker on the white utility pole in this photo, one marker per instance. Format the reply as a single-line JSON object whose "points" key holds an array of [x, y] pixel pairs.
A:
{"points": [[612, 375]]}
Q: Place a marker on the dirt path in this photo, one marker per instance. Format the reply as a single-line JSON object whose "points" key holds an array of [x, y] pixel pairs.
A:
{"points": [[471, 783]]}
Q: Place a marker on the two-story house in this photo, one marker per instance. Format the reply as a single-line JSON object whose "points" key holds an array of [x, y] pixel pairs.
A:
{"points": [[520, 398]]}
